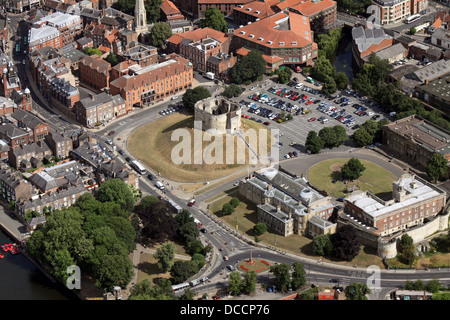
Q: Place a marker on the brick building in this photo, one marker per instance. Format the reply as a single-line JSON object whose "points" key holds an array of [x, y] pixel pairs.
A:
{"points": [[60, 144], [144, 55], [27, 121], [70, 26], [44, 36], [416, 139], [13, 187], [207, 49], [150, 84], [94, 72], [285, 35], [170, 13], [367, 41], [99, 108], [413, 202], [197, 8]]}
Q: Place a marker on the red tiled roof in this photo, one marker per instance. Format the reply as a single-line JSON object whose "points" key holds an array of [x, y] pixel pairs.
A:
{"points": [[309, 8], [269, 59], [199, 34], [293, 31], [437, 23], [260, 9], [128, 83], [169, 8], [96, 63]]}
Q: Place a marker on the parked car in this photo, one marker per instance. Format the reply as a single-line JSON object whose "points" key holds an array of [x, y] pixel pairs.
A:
{"points": [[191, 202]]}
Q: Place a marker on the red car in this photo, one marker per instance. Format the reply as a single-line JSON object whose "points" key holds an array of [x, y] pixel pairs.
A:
{"points": [[267, 123], [191, 203], [311, 119], [308, 102]]}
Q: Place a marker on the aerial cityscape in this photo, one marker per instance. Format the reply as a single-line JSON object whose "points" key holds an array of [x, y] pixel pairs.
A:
{"points": [[231, 150]]}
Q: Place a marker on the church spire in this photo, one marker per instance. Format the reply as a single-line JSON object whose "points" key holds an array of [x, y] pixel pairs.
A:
{"points": [[140, 17]]}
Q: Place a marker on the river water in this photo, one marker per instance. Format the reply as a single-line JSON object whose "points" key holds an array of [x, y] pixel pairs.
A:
{"points": [[343, 60], [21, 280]]}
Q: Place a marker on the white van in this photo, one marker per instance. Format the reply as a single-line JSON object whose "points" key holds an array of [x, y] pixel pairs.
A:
{"points": [[159, 185], [325, 120]]}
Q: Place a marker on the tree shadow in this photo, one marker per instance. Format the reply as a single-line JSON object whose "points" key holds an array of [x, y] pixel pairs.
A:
{"points": [[149, 268]]}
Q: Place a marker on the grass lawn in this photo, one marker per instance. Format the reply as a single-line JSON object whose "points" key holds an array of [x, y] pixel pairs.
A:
{"points": [[148, 265], [374, 178], [153, 145]]}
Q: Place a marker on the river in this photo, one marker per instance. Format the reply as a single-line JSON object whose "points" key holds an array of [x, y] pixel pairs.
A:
{"points": [[342, 61], [21, 280]]}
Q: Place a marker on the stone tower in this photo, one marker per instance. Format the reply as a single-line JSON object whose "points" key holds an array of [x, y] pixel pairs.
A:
{"points": [[140, 17]]}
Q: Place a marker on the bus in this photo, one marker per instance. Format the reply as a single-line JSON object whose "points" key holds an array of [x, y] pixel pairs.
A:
{"points": [[138, 167], [180, 287], [412, 18]]}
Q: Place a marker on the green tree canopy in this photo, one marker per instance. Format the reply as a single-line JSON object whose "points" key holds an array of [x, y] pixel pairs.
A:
{"points": [[214, 19], [357, 291], [158, 35], [345, 243], [437, 167], [191, 96], [232, 91], [234, 285], [116, 190], [260, 228], [282, 275], [314, 143], [353, 169], [322, 245], [298, 275], [341, 80], [153, 10], [112, 59], [92, 51], [165, 255], [248, 283], [249, 68]]}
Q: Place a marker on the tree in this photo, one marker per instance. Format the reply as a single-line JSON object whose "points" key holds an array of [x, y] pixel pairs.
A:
{"points": [[227, 209], [248, 283], [92, 51], [341, 135], [434, 286], [158, 35], [181, 271], [345, 243], [259, 228], [314, 143], [249, 68], [153, 10], [158, 222], [282, 275], [112, 59], [214, 19], [165, 255], [328, 137], [441, 296], [322, 245], [232, 91], [191, 96], [117, 191], [234, 202], [329, 86], [357, 291], [413, 30], [234, 285], [298, 275], [144, 291], [323, 70], [353, 169], [406, 252], [341, 80], [437, 167], [113, 270], [126, 6], [284, 75], [362, 137]]}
